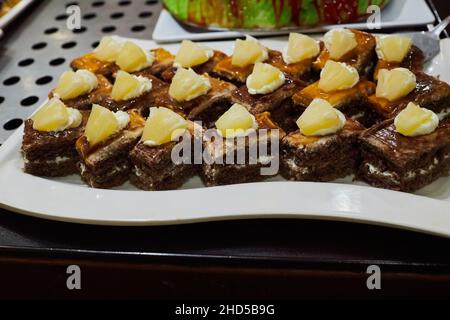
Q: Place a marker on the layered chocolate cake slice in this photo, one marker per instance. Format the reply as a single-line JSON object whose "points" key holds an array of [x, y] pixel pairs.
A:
{"points": [[239, 66], [395, 51], [398, 87], [297, 59], [102, 60], [114, 54], [105, 146], [242, 148], [341, 85], [407, 153], [200, 97], [81, 89], [268, 89], [324, 148], [49, 139], [200, 58], [161, 161], [353, 47]]}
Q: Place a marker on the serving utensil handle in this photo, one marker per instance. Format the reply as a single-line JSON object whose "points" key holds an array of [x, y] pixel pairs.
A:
{"points": [[436, 31]]}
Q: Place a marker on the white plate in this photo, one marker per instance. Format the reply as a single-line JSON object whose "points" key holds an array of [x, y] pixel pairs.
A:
{"points": [[14, 12], [398, 13], [67, 199]]}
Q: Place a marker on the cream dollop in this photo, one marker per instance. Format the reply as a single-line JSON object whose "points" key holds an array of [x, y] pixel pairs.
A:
{"points": [[415, 121], [123, 119], [265, 79], [321, 119], [145, 85], [188, 85]]}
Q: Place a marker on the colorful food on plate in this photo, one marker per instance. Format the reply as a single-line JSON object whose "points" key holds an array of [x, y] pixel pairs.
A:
{"points": [[246, 14]]}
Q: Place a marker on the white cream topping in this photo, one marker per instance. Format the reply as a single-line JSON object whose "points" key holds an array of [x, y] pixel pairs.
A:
{"points": [[145, 85], [73, 121], [268, 87], [335, 128], [208, 52], [123, 119], [88, 78], [424, 128], [241, 132]]}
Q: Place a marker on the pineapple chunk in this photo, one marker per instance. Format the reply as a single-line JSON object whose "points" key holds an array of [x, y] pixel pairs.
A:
{"points": [[264, 79], [192, 54], [109, 49], [320, 119], [248, 51], [51, 117], [393, 48], [133, 58], [416, 121], [128, 86], [299, 48], [337, 76], [162, 126], [236, 121], [339, 42], [187, 85], [101, 125], [74, 84], [395, 84]]}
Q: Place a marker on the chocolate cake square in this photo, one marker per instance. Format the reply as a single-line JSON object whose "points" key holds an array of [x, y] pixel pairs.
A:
{"points": [[362, 58], [413, 61], [206, 67], [352, 102], [321, 159], [278, 103], [91, 63], [227, 71], [397, 162], [163, 60], [100, 94], [142, 103], [51, 154], [245, 159], [301, 71], [206, 108], [430, 93], [154, 167], [107, 164]]}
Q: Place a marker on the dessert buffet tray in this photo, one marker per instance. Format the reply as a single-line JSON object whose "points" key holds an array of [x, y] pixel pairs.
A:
{"points": [[68, 199], [399, 13], [14, 12]]}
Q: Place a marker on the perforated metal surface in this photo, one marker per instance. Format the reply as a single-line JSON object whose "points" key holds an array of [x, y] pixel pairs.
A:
{"points": [[38, 47]]}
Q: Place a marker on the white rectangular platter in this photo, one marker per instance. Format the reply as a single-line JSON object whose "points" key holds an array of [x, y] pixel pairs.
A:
{"points": [[68, 199], [398, 13], [14, 12]]}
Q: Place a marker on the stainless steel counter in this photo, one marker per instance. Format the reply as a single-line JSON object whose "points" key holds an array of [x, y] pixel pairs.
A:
{"points": [[38, 47]]}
